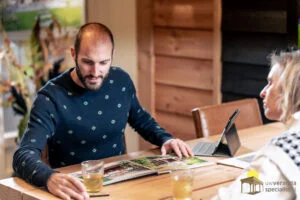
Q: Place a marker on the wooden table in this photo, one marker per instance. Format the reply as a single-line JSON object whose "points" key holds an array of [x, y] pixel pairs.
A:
{"points": [[207, 179]]}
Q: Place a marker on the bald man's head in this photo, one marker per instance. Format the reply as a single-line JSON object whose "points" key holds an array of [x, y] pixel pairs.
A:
{"points": [[93, 30]]}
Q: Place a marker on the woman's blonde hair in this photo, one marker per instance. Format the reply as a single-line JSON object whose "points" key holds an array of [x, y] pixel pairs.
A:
{"points": [[289, 82]]}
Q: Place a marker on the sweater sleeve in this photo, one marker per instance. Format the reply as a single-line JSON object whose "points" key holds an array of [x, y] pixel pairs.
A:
{"points": [[144, 123], [27, 161]]}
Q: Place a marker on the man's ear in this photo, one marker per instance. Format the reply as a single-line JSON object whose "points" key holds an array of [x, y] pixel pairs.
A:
{"points": [[73, 53]]}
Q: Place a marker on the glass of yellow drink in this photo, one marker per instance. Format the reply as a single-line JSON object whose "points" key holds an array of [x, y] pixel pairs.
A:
{"points": [[92, 172], [182, 184]]}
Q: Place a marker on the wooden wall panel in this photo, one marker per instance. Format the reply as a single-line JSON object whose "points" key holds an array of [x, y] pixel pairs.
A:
{"points": [[263, 5], [186, 60], [238, 77], [180, 100], [253, 71], [251, 48], [183, 43], [179, 126], [293, 15], [257, 21], [193, 73], [186, 14], [252, 29]]}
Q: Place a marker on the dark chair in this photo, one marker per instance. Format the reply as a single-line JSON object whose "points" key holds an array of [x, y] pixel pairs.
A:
{"points": [[211, 120], [45, 155]]}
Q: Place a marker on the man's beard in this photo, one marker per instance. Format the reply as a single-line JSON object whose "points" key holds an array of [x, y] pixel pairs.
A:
{"points": [[83, 79]]}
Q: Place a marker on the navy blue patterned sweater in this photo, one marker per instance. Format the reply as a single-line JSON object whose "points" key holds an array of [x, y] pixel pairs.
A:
{"points": [[79, 124]]}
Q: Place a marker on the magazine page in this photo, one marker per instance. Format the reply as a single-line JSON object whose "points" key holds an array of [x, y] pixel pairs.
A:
{"points": [[129, 169], [120, 171], [165, 164], [242, 161]]}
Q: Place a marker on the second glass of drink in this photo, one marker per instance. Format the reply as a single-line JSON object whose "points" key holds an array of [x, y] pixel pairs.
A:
{"points": [[182, 184]]}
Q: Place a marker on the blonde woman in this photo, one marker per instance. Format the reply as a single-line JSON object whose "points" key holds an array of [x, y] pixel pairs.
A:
{"points": [[278, 163]]}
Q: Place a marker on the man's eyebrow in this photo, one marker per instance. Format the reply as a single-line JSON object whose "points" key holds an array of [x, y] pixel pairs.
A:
{"points": [[105, 60], [87, 59]]}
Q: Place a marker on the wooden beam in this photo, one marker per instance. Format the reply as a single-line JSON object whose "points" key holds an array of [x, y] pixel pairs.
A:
{"points": [[145, 54], [217, 48], [146, 85]]}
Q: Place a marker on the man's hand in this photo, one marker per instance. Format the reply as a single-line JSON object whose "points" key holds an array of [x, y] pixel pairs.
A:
{"points": [[178, 146], [66, 187]]}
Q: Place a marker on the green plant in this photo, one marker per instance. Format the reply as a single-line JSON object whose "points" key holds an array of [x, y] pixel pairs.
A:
{"points": [[39, 70]]}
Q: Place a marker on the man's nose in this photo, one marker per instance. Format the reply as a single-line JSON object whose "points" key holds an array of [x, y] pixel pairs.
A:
{"points": [[96, 71]]}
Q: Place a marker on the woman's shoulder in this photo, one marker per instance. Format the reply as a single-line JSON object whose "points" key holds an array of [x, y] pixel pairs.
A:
{"points": [[289, 142]]}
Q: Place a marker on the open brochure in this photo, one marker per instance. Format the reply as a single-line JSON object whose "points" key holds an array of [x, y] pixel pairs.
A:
{"points": [[165, 164], [242, 161], [129, 169]]}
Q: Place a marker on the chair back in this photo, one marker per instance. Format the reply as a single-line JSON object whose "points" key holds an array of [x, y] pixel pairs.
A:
{"points": [[45, 155], [211, 120]]}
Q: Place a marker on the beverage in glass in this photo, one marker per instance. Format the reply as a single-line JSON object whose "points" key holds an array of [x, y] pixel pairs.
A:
{"points": [[182, 184], [92, 172]]}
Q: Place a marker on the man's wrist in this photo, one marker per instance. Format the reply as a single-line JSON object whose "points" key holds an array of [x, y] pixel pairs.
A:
{"points": [[47, 179], [168, 141]]}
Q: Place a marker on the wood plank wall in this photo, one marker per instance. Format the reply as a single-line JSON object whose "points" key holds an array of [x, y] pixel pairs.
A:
{"points": [[252, 29], [185, 57]]}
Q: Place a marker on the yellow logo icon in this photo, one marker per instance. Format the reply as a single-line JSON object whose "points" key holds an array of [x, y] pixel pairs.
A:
{"points": [[254, 184], [252, 173]]}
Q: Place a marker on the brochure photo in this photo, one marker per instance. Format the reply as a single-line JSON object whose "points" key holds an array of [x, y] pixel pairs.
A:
{"points": [[165, 164], [120, 171]]}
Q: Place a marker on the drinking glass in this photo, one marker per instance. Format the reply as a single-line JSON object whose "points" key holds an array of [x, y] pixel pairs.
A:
{"points": [[92, 172], [182, 184]]}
